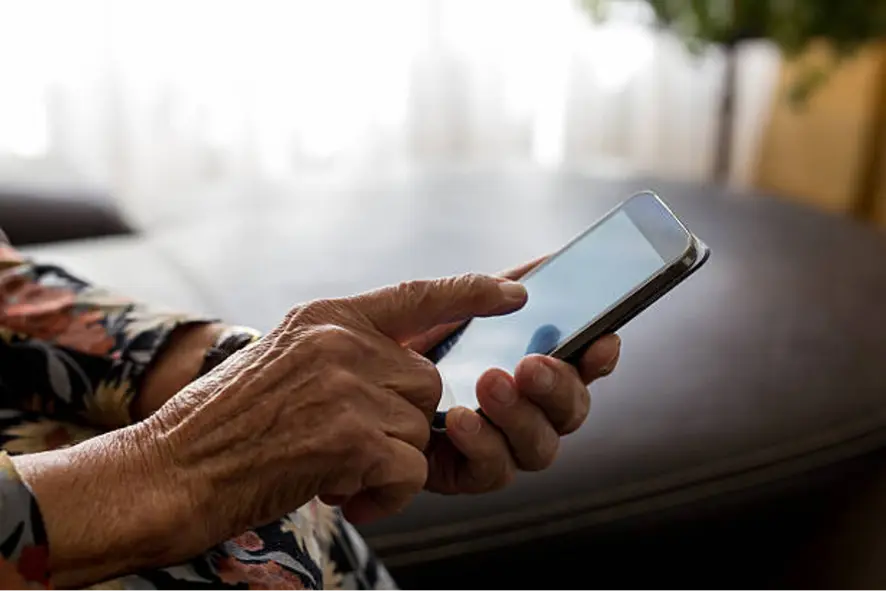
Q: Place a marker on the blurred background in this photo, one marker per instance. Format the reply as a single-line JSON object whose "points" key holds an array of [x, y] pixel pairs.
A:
{"points": [[180, 108], [175, 109]]}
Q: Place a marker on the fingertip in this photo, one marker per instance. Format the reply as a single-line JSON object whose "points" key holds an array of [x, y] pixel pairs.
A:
{"points": [[504, 296], [607, 345], [531, 367], [463, 421], [513, 292], [611, 342], [496, 387], [601, 358]]}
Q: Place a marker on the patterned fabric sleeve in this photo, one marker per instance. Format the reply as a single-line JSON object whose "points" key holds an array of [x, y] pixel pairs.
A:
{"points": [[72, 349], [24, 560], [355, 565]]}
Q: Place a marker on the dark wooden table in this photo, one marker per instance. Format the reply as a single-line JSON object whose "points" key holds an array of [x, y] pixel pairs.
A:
{"points": [[765, 367]]}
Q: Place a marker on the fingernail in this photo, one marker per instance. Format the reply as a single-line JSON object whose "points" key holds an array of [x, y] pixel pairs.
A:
{"points": [[513, 291], [613, 347], [503, 392], [544, 377], [469, 422]]}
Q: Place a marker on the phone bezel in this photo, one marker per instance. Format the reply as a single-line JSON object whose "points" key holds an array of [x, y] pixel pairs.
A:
{"points": [[683, 255], [638, 300]]}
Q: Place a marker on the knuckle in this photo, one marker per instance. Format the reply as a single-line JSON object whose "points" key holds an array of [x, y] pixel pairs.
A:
{"points": [[369, 451], [349, 429], [340, 380], [419, 476], [471, 279], [337, 341], [294, 315], [430, 377], [310, 312], [578, 412], [406, 422], [548, 451], [351, 403], [476, 286], [506, 477], [473, 282], [544, 451], [315, 308], [412, 291], [333, 334], [416, 379], [360, 432], [420, 434], [326, 311]]}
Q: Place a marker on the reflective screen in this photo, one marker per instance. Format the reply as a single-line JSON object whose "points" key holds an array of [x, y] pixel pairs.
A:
{"points": [[565, 295]]}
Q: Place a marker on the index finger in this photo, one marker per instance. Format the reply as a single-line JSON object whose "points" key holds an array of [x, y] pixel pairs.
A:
{"points": [[406, 310], [423, 343]]}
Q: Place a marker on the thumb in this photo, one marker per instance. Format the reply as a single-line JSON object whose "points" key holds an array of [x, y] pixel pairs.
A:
{"points": [[413, 307]]}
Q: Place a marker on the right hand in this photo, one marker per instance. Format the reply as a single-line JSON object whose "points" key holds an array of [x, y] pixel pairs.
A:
{"points": [[331, 403]]}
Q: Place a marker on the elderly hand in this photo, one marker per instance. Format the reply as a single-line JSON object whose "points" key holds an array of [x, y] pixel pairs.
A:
{"points": [[329, 404], [544, 399]]}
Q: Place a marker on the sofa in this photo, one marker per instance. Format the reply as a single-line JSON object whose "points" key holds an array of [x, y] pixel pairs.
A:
{"points": [[39, 214]]}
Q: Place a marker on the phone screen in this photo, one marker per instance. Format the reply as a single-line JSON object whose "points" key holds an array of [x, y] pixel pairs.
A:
{"points": [[566, 294]]}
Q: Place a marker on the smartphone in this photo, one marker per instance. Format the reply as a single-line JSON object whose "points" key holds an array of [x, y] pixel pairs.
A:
{"points": [[599, 281]]}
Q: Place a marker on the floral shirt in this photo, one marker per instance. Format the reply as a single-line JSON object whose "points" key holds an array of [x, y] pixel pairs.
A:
{"points": [[72, 357]]}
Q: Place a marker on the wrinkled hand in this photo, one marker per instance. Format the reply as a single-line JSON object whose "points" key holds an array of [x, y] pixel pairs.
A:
{"points": [[329, 404], [530, 410]]}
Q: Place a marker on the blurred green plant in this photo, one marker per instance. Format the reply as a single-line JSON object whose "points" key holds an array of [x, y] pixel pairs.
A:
{"points": [[792, 25]]}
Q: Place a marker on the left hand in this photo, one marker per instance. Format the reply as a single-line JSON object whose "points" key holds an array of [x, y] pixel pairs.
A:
{"points": [[544, 399]]}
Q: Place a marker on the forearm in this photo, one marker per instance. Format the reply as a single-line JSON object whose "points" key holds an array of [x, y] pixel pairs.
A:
{"points": [[109, 506], [115, 504]]}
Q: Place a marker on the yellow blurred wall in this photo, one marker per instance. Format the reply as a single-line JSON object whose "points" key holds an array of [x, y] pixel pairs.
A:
{"points": [[821, 153]]}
